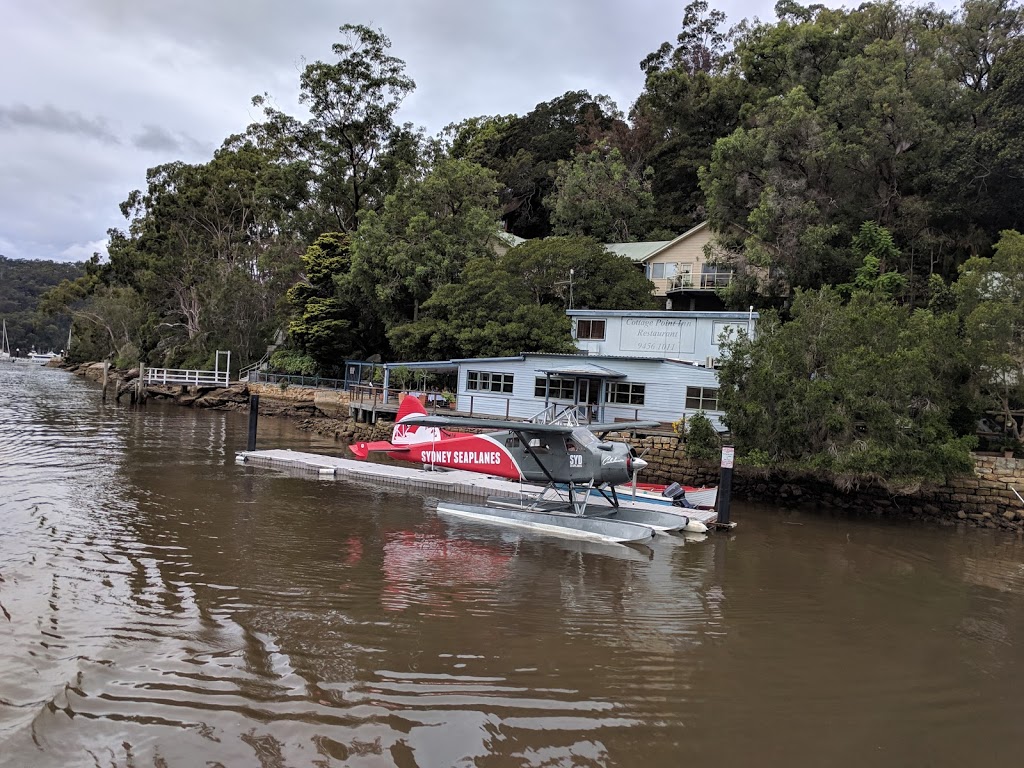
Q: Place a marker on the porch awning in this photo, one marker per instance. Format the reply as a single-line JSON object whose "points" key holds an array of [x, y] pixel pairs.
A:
{"points": [[585, 369]]}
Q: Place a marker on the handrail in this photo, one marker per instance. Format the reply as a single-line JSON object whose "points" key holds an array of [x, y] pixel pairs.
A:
{"points": [[187, 376], [244, 372], [296, 380]]}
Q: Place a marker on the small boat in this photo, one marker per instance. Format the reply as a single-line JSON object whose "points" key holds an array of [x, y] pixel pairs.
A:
{"points": [[703, 497], [42, 357]]}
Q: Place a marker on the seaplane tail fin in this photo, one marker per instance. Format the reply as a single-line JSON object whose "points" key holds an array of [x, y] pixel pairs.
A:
{"points": [[411, 434], [362, 450], [410, 405]]}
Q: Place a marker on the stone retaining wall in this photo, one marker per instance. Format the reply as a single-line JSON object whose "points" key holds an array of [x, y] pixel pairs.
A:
{"points": [[987, 498]]}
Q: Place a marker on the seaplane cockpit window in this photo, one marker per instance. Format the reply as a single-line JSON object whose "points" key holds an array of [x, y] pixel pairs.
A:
{"points": [[512, 442], [583, 437], [539, 446], [571, 446]]}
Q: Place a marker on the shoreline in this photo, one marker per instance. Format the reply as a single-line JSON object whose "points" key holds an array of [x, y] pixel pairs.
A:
{"points": [[985, 500]]}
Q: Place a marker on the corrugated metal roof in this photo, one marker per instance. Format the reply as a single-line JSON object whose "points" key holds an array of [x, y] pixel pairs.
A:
{"points": [[640, 252], [584, 369], [510, 239], [664, 314], [637, 251]]}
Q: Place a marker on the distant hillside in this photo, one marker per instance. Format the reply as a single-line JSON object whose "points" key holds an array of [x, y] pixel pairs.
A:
{"points": [[22, 283]]}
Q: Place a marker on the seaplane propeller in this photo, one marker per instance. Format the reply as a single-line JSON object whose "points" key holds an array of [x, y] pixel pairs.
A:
{"points": [[638, 464]]}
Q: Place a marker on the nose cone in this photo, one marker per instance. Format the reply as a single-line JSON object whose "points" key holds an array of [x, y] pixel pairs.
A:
{"points": [[639, 465]]}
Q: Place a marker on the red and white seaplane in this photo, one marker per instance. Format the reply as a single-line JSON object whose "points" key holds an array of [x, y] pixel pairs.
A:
{"points": [[593, 481]]}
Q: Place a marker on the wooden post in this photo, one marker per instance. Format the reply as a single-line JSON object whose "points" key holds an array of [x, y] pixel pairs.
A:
{"points": [[142, 382], [106, 369], [254, 416]]}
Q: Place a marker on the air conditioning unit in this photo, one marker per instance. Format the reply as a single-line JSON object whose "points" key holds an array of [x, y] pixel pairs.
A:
{"points": [[710, 362]]}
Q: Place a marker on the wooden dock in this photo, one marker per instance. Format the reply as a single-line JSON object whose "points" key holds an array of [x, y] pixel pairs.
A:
{"points": [[451, 483]]}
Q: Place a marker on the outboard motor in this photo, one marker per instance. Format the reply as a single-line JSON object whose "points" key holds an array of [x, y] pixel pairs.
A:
{"points": [[678, 496]]}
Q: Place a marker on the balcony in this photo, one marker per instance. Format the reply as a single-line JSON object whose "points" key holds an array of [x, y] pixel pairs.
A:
{"points": [[706, 281]]}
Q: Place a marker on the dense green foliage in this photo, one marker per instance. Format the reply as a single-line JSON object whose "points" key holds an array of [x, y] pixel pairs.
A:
{"points": [[22, 284], [702, 441], [864, 388], [991, 293], [857, 166], [516, 302]]}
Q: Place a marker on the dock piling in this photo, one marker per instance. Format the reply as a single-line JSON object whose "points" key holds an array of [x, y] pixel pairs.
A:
{"points": [[725, 487], [254, 416]]}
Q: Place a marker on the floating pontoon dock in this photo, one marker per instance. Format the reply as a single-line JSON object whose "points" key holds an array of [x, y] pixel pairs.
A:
{"points": [[455, 482]]}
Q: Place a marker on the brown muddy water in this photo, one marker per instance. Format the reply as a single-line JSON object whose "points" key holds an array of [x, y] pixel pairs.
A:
{"points": [[163, 606]]}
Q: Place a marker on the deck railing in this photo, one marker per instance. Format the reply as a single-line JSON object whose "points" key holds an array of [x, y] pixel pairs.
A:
{"points": [[702, 282], [187, 377], [370, 395]]}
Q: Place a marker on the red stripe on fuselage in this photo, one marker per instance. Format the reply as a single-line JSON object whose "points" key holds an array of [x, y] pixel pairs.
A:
{"points": [[477, 453]]}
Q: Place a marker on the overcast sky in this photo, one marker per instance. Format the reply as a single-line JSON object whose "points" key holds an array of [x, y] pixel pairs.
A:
{"points": [[94, 92]]}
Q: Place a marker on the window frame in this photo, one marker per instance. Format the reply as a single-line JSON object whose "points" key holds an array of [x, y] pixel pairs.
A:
{"points": [[630, 392], [485, 381], [557, 386], [698, 399], [590, 333]]}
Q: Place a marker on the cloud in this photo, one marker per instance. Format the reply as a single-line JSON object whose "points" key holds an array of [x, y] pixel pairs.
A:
{"points": [[156, 138], [84, 251], [97, 92], [49, 118]]}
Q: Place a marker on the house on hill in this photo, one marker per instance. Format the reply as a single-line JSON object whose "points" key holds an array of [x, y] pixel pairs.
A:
{"points": [[680, 269]]}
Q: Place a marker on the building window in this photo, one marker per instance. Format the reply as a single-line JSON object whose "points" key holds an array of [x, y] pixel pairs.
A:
{"points": [[715, 275], [701, 399], [561, 389], [625, 393], [662, 270], [482, 381], [590, 330]]}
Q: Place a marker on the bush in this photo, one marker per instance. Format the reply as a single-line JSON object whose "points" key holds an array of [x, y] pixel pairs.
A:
{"points": [[702, 441], [293, 362]]}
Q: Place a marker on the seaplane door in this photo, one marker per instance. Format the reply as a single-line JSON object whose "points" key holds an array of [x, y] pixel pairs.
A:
{"points": [[548, 450]]}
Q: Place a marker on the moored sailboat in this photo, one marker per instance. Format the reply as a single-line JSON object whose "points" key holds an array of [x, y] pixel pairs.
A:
{"points": [[5, 346]]}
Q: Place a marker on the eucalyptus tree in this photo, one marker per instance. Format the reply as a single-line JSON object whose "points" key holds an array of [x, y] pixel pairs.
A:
{"points": [[524, 151], [428, 229], [881, 113], [516, 302], [210, 250], [597, 194], [692, 97], [351, 143]]}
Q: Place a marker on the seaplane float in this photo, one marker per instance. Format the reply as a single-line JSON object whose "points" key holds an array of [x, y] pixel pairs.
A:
{"points": [[563, 478]]}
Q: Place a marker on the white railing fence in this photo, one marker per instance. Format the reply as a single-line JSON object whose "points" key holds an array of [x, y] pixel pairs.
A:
{"points": [[219, 377], [185, 376]]}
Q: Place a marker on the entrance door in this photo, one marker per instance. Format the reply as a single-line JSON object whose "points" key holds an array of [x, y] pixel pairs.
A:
{"points": [[588, 393]]}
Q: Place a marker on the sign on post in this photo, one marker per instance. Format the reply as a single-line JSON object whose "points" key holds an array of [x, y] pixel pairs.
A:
{"points": [[728, 456]]}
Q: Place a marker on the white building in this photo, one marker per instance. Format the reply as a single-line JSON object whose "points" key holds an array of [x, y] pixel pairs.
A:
{"points": [[632, 365], [694, 337], [606, 387]]}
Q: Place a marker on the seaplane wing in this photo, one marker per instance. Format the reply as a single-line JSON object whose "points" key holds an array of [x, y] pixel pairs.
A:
{"points": [[526, 427], [623, 426]]}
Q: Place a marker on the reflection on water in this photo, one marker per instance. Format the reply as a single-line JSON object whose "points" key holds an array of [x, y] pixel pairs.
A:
{"points": [[161, 605]]}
